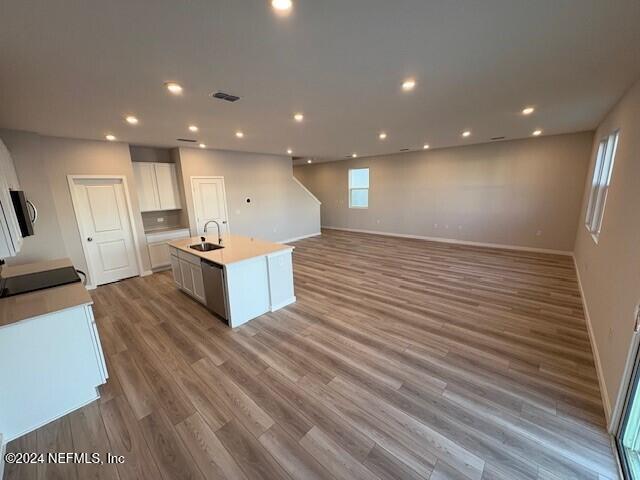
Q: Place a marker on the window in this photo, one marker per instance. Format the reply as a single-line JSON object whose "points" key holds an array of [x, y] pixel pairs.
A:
{"points": [[358, 188], [600, 183]]}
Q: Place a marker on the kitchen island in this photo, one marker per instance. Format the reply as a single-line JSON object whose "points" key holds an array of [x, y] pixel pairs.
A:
{"points": [[51, 359], [238, 280]]}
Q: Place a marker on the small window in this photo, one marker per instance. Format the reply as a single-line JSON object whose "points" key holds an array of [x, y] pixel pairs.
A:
{"points": [[600, 183], [359, 188]]}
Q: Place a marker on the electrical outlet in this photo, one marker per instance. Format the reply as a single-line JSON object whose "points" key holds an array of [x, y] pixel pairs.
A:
{"points": [[160, 219]]}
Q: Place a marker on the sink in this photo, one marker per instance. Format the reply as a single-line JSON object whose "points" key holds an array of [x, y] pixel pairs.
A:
{"points": [[206, 247]]}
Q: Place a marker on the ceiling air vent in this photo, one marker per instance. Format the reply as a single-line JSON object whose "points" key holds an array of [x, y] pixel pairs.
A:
{"points": [[225, 96], [498, 138], [404, 149], [190, 140]]}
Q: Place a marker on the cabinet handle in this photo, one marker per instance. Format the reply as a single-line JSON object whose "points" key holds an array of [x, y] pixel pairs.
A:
{"points": [[89, 239]]}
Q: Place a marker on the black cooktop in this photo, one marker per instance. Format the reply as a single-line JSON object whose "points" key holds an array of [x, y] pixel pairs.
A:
{"points": [[32, 282]]}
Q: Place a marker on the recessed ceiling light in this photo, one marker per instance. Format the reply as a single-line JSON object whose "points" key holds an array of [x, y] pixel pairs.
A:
{"points": [[425, 146], [174, 88], [110, 137], [354, 155], [193, 128], [298, 117], [202, 145], [466, 133], [131, 119], [289, 151], [239, 134], [537, 132], [309, 161], [382, 136], [408, 85], [528, 110], [282, 5]]}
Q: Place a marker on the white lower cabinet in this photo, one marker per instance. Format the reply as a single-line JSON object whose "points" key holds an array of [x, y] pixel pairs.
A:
{"points": [[187, 273], [198, 283], [175, 269], [49, 366], [187, 276], [158, 243]]}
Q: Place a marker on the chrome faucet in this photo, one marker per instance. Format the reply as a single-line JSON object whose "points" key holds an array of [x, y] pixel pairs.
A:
{"points": [[224, 222]]}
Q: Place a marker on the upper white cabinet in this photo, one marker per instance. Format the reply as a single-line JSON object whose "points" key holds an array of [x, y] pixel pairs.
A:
{"points": [[10, 236], [157, 185], [147, 186], [167, 179]]}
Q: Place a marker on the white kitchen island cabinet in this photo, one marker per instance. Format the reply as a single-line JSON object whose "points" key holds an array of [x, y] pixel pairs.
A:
{"points": [[51, 360], [245, 279]]}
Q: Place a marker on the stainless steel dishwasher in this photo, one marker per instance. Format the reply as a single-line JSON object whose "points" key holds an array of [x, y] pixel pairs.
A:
{"points": [[215, 289]]}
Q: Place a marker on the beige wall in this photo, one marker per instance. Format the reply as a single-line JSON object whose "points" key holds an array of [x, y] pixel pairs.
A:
{"points": [[610, 270], [501, 193], [26, 152], [279, 210], [87, 157], [42, 164]]}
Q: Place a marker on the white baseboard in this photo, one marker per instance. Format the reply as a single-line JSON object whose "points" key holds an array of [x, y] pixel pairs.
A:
{"points": [[594, 348], [455, 241], [283, 304], [295, 239]]}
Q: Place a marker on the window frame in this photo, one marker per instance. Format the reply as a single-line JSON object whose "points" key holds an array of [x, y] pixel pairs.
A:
{"points": [[350, 189], [600, 182]]}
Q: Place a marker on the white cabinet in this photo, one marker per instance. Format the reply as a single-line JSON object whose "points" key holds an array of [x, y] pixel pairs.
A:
{"points": [[175, 270], [159, 248], [168, 191], [147, 186], [10, 235], [187, 277], [190, 275], [198, 283], [61, 364], [157, 185], [159, 255]]}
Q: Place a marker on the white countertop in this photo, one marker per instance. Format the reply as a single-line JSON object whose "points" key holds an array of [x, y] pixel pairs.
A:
{"points": [[33, 304], [151, 231], [236, 248]]}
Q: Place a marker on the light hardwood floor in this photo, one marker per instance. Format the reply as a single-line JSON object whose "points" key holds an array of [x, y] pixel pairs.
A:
{"points": [[401, 359]]}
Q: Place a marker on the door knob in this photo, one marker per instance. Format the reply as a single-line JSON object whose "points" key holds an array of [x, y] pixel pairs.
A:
{"points": [[89, 239]]}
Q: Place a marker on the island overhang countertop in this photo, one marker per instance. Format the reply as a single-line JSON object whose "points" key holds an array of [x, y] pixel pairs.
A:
{"points": [[42, 302], [236, 248]]}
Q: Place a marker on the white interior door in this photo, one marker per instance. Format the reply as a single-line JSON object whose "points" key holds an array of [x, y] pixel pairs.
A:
{"points": [[210, 202], [107, 237]]}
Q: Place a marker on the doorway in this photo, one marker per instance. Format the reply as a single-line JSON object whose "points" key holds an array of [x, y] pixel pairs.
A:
{"points": [[103, 214], [209, 202]]}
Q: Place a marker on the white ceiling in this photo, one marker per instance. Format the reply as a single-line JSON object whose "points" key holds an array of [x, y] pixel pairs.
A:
{"points": [[75, 67]]}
